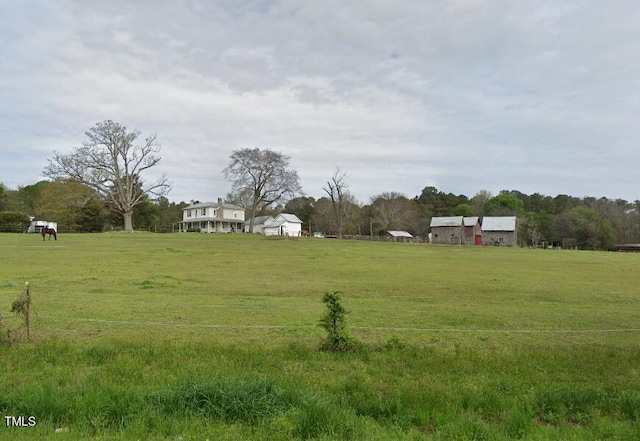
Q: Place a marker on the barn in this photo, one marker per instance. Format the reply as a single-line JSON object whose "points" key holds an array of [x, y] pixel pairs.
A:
{"points": [[472, 230], [447, 230], [499, 231]]}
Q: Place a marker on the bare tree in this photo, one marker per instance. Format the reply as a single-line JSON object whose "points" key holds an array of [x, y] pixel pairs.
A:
{"points": [[242, 198], [263, 173], [111, 164], [393, 211], [337, 191]]}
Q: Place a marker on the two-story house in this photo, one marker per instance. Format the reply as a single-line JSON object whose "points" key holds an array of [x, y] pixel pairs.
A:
{"points": [[212, 217]]}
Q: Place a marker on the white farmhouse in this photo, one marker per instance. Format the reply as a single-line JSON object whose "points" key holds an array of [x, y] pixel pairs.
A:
{"points": [[212, 217], [283, 225]]}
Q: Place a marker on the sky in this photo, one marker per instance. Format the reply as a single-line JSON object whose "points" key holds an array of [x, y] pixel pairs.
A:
{"points": [[538, 96]]}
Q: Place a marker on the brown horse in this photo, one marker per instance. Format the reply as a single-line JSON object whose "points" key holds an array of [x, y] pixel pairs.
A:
{"points": [[50, 232]]}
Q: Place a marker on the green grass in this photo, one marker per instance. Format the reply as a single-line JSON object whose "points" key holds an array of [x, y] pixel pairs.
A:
{"points": [[141, 336]]}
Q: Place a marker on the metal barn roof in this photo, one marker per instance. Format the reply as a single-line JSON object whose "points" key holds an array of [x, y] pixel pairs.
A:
{"points": [[259, 220], [291, 218], [499, 223], [395, 233], [470, 221], [453, 221]]}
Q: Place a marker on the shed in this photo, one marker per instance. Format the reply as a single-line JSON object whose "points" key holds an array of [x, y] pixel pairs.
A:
{"points": [[447, 230], [398, 236], [258, 224], [284, 224], [499, 231], [36, 226]]}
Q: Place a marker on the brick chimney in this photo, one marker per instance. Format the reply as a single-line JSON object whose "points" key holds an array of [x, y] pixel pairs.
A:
{"points": [[219, 208]]}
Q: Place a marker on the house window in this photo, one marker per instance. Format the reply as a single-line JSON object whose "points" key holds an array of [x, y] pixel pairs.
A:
{"points": [[188, 213], [215, 213], [204, 211]]}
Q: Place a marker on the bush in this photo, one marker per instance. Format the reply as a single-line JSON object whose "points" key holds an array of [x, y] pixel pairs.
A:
{"points": [[338, 339], [14, 222]]}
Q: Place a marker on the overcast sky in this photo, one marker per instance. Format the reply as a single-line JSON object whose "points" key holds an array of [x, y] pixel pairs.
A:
{"points": [[536, 96]]}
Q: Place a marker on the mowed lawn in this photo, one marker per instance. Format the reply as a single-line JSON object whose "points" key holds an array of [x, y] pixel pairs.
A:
{"points": [[251, 288], [195, 337]]}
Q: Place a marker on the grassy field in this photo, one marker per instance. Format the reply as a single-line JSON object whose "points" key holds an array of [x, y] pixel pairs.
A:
{"points": [[142, 336]]}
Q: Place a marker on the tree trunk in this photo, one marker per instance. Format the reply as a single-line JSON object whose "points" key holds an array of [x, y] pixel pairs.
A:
{"points": [[128, 224]]}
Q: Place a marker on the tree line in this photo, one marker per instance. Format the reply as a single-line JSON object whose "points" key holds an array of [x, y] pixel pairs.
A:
{"points": [[101, 186]]}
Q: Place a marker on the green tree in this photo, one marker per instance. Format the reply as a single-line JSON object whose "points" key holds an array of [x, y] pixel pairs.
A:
{"points": [[301, 207], [437, 203], [592, 230], [3, 197], [73, 205], [463, 210], [30, 197], [479, 200], [14, 222], [504, 205], [169, 214]]}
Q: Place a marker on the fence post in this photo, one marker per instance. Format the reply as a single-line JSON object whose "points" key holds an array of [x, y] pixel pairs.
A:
{"points": [[27, 318]]}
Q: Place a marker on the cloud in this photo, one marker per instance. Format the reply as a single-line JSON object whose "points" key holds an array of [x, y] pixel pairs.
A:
{"points": [[463, 95]]}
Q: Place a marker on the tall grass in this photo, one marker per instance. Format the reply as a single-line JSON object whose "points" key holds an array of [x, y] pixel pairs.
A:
{"points": [[159, 337], [299, 392]]}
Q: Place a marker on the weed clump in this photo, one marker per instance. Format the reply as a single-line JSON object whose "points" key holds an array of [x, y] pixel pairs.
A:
{"points": [[333, 321], [22, 308]]}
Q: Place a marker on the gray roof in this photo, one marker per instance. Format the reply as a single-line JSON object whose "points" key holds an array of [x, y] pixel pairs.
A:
{"points": [[282, 219], [259, 220], [453, 221], [470, 221], [499, 223], [291, 218], [213, 205], [395, 233]]}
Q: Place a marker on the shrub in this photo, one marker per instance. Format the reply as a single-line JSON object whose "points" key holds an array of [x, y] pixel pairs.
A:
{"points": [[22, 308], [338, 339]]}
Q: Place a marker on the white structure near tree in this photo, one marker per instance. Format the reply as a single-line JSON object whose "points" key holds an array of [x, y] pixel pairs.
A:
{"points": [[36, 226], [284, 224], [258, 224], [212, 217]]}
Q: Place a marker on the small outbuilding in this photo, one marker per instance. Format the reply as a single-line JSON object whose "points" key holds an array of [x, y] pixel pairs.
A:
{"points": [[288, 225], [258, 224], [499, 231], [398, 236], [36, 226]]}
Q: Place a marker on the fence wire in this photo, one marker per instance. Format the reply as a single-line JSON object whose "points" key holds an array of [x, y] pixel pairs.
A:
{"points": [[364, 328]]}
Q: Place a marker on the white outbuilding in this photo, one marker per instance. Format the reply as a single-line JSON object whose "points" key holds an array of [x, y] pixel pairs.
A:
{"points": [[288, 225]]}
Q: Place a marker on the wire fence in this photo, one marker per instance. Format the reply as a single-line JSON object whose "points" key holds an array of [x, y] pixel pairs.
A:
{"points": [[364, 328]]}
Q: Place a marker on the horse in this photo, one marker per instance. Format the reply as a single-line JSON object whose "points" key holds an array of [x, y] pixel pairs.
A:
{"points": [[50, 232]]}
